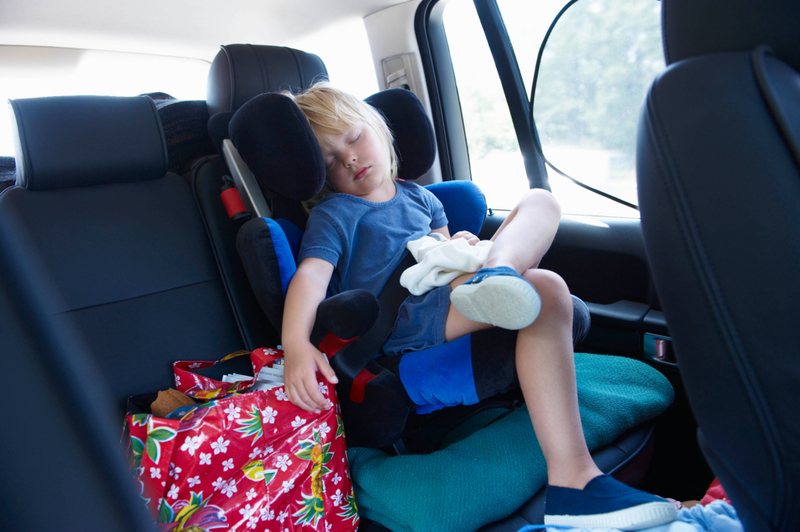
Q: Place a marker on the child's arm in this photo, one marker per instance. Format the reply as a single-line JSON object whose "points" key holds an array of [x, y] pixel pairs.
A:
{"points": [[302, 360]]}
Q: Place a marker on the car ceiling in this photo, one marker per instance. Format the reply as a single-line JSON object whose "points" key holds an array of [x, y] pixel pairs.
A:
{"points": [[184, 28]]}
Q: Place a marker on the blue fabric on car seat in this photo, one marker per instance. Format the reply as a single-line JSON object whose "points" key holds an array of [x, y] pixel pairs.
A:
{"points": [[286, 263], [464, 204], [261, 242], [490, 473], [293, 235], [440, 376]]}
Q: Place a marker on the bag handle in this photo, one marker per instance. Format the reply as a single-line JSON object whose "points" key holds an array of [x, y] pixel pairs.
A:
{"points": [[206, 388]]}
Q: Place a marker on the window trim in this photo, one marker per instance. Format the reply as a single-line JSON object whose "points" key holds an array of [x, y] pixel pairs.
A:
{"points": [[442, 90]]}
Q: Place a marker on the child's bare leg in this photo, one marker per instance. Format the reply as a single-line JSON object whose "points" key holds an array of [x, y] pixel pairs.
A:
{"points": [[527, 232], [578, 495], [546, 371]]}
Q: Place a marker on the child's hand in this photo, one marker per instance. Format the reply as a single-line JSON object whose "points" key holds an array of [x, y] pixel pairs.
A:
{"points": [[299, 377], [466, 235]]}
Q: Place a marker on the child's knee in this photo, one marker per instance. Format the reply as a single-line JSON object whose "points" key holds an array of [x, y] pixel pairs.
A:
{"points": [[540, 198], [553, 292]]}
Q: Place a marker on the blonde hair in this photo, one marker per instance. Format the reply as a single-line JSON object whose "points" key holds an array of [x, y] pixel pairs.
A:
{"points": [[332, 112]]}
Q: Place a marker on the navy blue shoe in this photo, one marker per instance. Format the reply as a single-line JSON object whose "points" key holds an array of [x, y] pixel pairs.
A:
{"points": [[606, 503], [498, 296]]}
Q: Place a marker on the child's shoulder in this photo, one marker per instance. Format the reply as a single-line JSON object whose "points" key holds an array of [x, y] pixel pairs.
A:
{"points": [[412, 188], [409, 185], [418, 193]]}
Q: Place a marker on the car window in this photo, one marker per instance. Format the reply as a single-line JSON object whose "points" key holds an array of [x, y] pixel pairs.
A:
{"points": [[33, 71], [494, 157], [595, 69]]}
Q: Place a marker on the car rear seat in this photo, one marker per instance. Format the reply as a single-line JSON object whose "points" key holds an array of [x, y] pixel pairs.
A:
{"points": [[120, 236]]}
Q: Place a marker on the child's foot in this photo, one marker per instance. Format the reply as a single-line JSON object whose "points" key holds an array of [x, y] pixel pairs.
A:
{"points": [[606, 503], [499, 296]]}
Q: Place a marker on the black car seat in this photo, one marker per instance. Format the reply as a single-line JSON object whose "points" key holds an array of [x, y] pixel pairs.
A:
{"points": [[61, 444], [121, 237], [627, 457], [265, 135], [718, 166], [239, 72]]}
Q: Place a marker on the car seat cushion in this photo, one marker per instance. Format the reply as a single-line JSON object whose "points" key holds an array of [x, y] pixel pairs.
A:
{"points": [[492, 472], [276, 141], [693, 29], [464, 204]]}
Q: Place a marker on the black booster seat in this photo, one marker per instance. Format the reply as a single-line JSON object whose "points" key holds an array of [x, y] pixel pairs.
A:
{"points": [[377, 394]]}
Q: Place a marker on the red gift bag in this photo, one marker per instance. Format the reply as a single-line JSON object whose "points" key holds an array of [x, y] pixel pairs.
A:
{"points": [[244, 461]]}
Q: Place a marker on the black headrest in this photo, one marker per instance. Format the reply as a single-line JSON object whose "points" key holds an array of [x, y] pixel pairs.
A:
{"points": [[414, 140], [275, 140], [241, 71], [692, 27], [72, 141], [218, 128]]}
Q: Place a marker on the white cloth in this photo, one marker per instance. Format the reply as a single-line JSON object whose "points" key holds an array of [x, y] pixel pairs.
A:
{"points": [[439, 261]]}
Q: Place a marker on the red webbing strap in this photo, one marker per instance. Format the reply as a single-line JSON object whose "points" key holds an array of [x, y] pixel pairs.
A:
{"points": [[358, 390], [332, 344]]}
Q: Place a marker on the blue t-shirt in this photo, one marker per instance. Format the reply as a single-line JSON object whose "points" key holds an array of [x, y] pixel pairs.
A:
{"points": [[365, 241]]}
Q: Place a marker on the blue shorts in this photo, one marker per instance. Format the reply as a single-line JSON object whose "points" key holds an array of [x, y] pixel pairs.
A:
{"points": [[420, 322]]}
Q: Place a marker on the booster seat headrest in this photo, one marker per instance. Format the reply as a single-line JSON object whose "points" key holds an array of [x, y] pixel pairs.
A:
{"points": [[276, 141], [240, 72], [72, 141], [414, 140]]}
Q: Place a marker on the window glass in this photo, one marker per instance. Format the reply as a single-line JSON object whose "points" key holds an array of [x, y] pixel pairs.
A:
{"points": [[32, 71], [595, 70], [596, 67], [494, 156]]}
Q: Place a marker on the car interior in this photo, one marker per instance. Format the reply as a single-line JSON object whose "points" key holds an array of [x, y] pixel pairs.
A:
{"points": [[121, 253]]}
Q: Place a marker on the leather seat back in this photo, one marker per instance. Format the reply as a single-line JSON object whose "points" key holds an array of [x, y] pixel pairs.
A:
{"points": [[120, 237], [718, 166]]}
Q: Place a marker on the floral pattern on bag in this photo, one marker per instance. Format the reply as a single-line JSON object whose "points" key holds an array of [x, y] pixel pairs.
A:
{"points": [[244, 462]]}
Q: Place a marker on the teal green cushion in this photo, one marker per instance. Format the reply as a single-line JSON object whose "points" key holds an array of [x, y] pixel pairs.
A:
{"points": [[491, 473]]}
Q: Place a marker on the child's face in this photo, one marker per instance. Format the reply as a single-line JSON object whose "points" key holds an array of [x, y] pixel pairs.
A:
{"points": [[358, 163]]}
